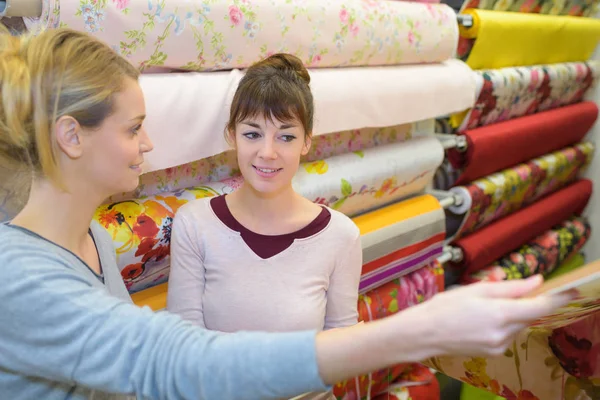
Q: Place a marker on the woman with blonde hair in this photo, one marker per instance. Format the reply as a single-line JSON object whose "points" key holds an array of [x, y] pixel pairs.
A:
{"points": [[71, 111]]}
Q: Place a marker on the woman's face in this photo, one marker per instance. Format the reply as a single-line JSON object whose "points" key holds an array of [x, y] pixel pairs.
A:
{"points": [[269, 152]]}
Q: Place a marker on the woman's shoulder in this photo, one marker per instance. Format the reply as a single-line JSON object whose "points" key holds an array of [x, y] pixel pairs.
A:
{"points": [[22, 249], [343, 225], [195, 209]]}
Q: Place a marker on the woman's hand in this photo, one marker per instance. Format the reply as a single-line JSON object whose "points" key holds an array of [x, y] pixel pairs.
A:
{"points": [[479, 319], [484, 318]]}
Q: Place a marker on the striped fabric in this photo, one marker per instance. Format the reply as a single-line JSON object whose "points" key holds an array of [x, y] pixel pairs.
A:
{"points": [[400, 238]]}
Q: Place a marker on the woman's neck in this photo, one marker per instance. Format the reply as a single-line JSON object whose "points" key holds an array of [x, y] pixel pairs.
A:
{"points": [[63, 218], [275, 213]]}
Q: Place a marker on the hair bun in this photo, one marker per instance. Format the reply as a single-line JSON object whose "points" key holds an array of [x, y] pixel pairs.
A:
{"points": [[291, 63]]}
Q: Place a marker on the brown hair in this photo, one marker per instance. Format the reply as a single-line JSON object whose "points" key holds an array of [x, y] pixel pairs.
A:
{"points": [[42, 78], [276, 87]]}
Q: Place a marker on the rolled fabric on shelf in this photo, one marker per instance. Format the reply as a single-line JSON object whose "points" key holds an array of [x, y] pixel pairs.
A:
{"points": [[507, 93], [502, 145], [490, 243], [399, 239], [505, 39], [207, 36], [575, 8], [494, 196], [357, 182], [224, 165], [542, 255], [193, 108]]}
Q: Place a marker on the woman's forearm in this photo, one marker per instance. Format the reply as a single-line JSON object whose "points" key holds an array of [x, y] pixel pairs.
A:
{"points": [[408, 337]]}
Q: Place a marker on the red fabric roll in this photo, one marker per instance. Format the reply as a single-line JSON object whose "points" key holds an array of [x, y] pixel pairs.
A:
{"points": [[488, 244], [495, 147]]}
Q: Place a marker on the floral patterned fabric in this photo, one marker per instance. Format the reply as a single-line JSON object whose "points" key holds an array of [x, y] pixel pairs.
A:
{"points": [[509, 93], [502, 193], [527, 371], [577, 347], [357, 182], [205, 35], [540, 256], [224, 165], [141, 231], [392, 297], [542, 363], [350, 183]]}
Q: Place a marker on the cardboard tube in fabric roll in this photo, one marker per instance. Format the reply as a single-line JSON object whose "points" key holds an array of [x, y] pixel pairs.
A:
{"points": [[498, 146], [506, 39], [503, 236]]}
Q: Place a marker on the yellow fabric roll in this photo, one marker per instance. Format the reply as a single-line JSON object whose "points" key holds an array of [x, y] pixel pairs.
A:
{"points": [[154, 297], [403, 210], [507, 39]]}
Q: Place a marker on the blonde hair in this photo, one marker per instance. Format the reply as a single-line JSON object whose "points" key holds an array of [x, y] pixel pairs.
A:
{"points": [[42, 78]]}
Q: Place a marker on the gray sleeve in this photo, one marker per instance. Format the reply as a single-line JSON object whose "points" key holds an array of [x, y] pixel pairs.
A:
{"points": [[55, 325]]}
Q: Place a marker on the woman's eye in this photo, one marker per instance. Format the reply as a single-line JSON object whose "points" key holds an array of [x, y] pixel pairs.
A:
{"points": [[288, 138], [135, 130], [252, 135]]}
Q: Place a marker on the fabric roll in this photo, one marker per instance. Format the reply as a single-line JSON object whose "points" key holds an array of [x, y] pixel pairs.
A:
{"points": [[572, 263], [388, 299], [490, 243], [224, 165], [513, 92], [505, 39], [495, 147], [490, 198], [194, 107], [206, 35], [577, 8], [542, 255], [141, 231], [399, 239], [358, 182]]}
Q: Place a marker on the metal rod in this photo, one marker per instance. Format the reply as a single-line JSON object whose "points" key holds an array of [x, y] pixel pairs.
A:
{"points": [[452, 141], [446, 198], [445, 257], [465, 20]]}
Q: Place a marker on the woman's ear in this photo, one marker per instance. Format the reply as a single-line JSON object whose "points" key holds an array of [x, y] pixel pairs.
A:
{"points": [[307, 144], [68, 136], [230, 137]]}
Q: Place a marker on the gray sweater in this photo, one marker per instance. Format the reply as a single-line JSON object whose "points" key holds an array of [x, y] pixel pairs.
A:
{"points": [[67, 333]]}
